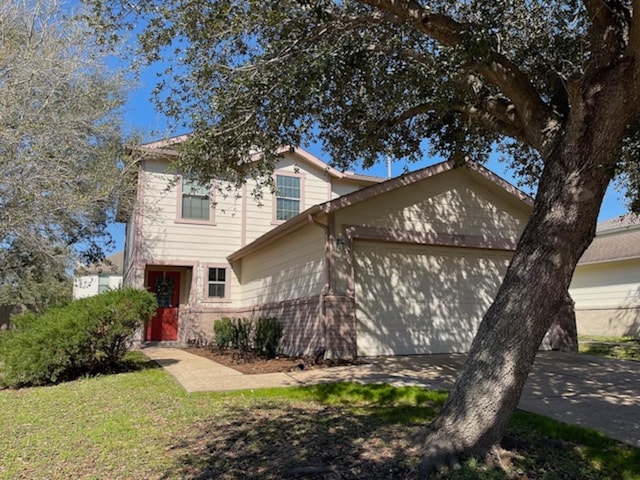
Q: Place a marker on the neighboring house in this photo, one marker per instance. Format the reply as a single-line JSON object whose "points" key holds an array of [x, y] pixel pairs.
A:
{"points": [[606, 283], [349, 263], [93, 279]]}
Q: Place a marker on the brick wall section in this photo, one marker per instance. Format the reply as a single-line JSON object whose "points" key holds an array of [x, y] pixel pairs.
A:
{"points": [[302, 319], [341, 326], [613, 322]]}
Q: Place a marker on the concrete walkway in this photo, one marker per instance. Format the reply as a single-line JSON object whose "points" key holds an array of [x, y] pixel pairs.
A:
{"points": [[583, 390]]}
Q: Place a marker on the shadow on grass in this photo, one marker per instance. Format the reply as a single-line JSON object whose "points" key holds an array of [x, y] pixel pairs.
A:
{"points": [[134, 362], [351, 431], [273, 441]]}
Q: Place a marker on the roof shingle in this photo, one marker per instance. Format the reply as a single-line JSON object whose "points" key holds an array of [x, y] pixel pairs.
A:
{"points": [[616, 239]]}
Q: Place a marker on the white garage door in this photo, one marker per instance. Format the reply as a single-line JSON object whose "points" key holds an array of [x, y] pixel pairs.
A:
{"points": [[418, 300]]}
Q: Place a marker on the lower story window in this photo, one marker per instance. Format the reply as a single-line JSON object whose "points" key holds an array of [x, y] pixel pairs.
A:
{"points": [[103, 283], [217, 282]]}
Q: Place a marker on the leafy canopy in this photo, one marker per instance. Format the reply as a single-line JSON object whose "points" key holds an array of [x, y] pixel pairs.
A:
{"points": [[371, 78]]}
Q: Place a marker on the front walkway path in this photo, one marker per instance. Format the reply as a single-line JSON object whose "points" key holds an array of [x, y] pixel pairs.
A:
{"points": [[583, 390]]}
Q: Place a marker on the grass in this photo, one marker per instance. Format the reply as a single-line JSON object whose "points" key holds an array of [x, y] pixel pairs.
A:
{"points": [[621, 348], [142, 425]]}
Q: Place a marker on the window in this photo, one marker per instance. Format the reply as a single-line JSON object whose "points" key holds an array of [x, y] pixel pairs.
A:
{"points": [[195, 201], [103, 283], [217, 282], [287, 197]]}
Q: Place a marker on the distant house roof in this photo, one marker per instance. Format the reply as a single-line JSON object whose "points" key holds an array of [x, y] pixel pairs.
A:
{"points": [[616, 239], [112, 265]]}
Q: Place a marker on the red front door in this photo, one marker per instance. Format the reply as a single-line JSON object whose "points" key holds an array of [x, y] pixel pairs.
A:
{"points": [[166, 287]]}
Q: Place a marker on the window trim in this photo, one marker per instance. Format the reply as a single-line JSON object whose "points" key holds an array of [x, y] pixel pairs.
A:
{"points": [[195, 221], [274, 197], [227, 283]]}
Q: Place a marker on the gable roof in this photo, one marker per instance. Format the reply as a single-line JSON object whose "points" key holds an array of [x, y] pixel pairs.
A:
{"points": [[616, 239], [372, 191], [168, 147]]}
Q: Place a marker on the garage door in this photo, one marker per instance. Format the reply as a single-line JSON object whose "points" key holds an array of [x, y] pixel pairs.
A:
{"points": [[418, 300]]}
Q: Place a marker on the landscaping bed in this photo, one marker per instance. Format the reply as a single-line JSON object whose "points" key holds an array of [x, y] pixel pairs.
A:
{"points": [[252, 363]]}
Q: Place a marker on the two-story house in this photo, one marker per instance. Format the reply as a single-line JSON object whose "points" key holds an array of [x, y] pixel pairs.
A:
{"points": [[350, 263]]}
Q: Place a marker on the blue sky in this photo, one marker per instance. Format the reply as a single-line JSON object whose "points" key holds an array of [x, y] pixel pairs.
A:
{"points": [[141, 116]]}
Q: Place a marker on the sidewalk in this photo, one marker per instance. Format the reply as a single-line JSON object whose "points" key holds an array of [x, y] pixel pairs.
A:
{"points": [[583, 390]]}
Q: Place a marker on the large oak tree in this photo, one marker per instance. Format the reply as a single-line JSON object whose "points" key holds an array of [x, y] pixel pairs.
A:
{"points": [[554, 85]]}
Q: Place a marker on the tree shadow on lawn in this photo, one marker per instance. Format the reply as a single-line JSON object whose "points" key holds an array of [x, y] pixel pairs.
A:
{"points": [[270, 441], [279, 439]]}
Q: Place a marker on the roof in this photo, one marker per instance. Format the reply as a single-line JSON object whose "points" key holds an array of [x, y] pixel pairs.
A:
{"points": [[623, 222], [112, 265], [168, 147], [616, 239], [372, 191]]}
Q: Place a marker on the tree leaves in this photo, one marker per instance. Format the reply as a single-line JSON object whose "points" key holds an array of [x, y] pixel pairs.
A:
{"points": [[367, 79], [60, 138]]}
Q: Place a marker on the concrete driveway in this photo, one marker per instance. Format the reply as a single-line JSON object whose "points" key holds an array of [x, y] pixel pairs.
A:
{"points": [[583, 390]]}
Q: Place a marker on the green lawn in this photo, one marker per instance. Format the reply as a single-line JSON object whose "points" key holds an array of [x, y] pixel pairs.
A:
{"points": [[622, 348], [142, 425]]}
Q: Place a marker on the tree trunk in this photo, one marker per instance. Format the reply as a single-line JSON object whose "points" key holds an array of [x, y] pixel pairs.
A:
{"points": [[532, 295], [563, 334]]}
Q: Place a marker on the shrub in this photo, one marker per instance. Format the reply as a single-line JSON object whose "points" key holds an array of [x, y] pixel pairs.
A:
{"points": [[267, 336], [223, 332], [241, 336], [90, 335]]}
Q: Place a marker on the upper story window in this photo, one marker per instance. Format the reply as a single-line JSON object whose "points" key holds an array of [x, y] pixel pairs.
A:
{"points": [[288, 197], [195, 201]]}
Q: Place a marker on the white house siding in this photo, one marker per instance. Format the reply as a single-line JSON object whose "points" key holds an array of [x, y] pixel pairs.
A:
{"points": [[452, 204], [285, 279], [607, 297], [288, 269], [422, 300], [340, 187], [315, 187], [88, 285], [168, 240]]}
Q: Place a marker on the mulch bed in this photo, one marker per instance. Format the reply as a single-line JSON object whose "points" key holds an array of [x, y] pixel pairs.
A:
{"points": [[252, 363]]}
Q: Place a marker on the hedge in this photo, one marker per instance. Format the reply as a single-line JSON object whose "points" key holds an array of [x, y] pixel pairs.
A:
{"points": [[87, 336]]}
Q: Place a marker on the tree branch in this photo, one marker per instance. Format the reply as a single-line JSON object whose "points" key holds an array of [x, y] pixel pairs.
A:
{"points": [[633, 47], [610, 21], [441, 28], [531, 111]]}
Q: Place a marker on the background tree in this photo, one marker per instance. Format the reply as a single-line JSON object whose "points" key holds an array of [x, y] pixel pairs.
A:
{"points": [[553, 85], [60, 140]]}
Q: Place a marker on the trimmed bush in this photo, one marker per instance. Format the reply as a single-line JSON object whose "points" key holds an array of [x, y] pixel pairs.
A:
{"points": [[267, 336], [90, 335], [223, 332], [241, 336]]}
